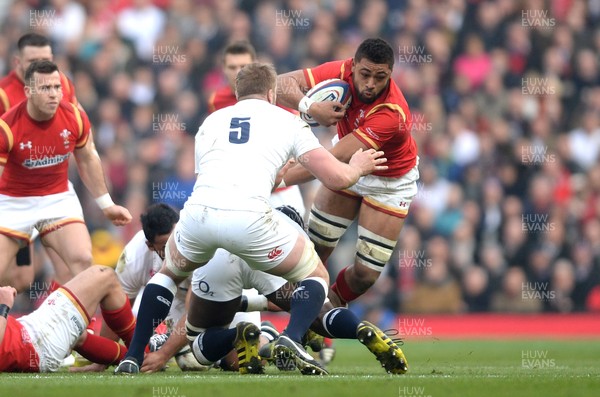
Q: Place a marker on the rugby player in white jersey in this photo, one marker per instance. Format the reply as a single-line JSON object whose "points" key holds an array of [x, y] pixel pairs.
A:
{"points": [[239, 152], [217, 291]]}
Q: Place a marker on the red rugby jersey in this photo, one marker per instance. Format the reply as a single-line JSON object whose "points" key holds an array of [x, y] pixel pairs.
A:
{"points": [[17, 354], [12, 91], [35, 154], [221, 98], [383, 125]]}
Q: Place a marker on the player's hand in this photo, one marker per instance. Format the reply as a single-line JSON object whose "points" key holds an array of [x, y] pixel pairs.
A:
{"points": [[118, 215], [282, 172], [154, 362], [327, 113], [367, 161], [7, 296], [94, 367]]}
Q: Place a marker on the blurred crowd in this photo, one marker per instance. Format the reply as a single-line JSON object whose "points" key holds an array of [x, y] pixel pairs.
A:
{"points": [[505, 101]]}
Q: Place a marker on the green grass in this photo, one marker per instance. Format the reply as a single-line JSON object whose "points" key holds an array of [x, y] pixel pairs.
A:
{"points": [[437, 368]]}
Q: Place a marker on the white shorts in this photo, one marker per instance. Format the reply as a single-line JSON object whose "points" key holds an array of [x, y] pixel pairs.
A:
{"points": [[290, 195], [262, 239], [390, 195], [55, 327], [225, 276], [41, 213]]}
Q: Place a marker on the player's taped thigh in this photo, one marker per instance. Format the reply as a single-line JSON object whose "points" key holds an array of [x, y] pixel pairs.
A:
{"points": [[195, 336], [306, 266], [173, 268], [372, 250], [326, 229]]}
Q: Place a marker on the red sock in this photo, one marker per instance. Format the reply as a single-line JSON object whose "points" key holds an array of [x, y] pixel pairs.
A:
{"points": [[342, 289], [328, 342], [121, 321], [101, 350]]}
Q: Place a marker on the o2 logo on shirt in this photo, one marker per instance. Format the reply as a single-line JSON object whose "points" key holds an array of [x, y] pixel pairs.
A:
{"points": [[240, 130]]}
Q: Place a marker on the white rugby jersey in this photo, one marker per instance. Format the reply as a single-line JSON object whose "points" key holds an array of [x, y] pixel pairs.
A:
{"points": [[136, 266], [240, 149]]}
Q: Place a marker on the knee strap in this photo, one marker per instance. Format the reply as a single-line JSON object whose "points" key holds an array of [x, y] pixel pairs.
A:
{"points": [[326, 229], [372, 250]]}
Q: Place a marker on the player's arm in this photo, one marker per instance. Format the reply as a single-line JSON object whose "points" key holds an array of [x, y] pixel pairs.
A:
{"points": [[92, 175], [7, 300], [336, 175], [290, 92], [155, 361], [342, 151]]}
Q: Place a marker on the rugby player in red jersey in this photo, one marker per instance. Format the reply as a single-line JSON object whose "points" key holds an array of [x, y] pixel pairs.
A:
{"points": [[235, 56], [377, 118], [38, 342], [31, 47], [37, 137]]}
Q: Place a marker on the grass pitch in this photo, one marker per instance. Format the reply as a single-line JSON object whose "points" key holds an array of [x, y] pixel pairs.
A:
{"points": [[436, 369]]}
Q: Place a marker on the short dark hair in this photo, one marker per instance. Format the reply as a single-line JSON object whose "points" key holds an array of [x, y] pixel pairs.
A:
{"points": [[157, 220], [32, 40], [240, 47], [255, 78], [45, 67], [375, 50]]}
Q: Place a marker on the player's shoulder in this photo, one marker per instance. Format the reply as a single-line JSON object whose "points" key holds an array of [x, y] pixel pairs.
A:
{"points": [[392, 105], [135, 253], [14, 114], [9, 80]]}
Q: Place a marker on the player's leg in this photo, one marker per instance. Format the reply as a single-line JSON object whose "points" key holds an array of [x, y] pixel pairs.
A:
{"points": [[303, 267], [62, 318], [20, 277], [99, 285], [377, 234], [62, 273], [331, 214], [341, 323], [95, 286], [383, 209], [155, 304], [9, 247], [71, 241], [216, 296]]}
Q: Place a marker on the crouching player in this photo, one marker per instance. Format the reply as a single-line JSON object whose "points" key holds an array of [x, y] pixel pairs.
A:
{"points": [[217, 293], [38, 342]]}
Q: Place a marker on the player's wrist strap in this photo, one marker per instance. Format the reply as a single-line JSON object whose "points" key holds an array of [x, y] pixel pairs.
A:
{"points": [[305, 104], [281, 184], [4, 309], [104, 201]]}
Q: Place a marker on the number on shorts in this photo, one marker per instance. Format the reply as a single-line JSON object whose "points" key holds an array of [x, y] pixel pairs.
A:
{"points": [[240, 130]]}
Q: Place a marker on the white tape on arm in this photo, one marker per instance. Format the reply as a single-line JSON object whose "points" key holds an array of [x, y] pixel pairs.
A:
{"points": [[104, 201], [305, 104]]}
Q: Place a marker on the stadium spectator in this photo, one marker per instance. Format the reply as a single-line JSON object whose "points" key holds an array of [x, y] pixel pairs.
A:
{"points": [[510, 298]]}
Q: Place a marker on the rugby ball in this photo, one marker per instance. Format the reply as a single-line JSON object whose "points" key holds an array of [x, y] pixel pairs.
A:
{"points": [[328, 90]]}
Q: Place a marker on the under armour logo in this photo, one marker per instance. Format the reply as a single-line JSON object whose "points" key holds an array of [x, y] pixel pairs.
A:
{"points": [[28, 145]]}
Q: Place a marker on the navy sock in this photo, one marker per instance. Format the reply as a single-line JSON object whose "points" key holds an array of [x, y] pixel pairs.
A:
{"points": [[306, 303], [217, 342], [341, 323], [154, 308]]}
